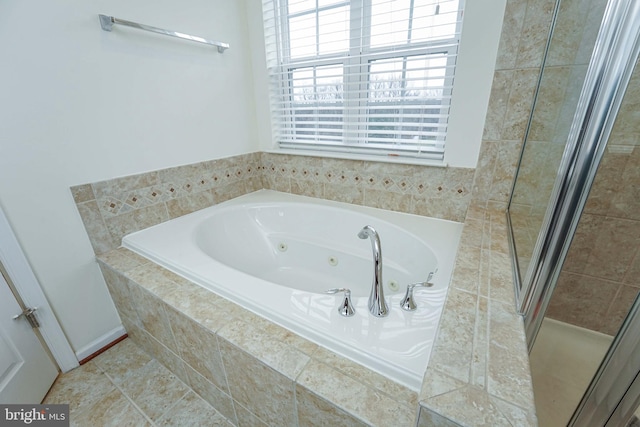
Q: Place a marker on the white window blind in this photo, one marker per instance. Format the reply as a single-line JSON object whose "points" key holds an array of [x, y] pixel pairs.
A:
{"points": [[368, 76]]}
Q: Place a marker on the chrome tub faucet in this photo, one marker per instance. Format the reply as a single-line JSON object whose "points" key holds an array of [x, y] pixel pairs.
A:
{"points": [[377, 304]]}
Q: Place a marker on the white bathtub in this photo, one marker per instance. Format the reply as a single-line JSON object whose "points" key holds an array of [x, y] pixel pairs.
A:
{"points": [[276, 253]]}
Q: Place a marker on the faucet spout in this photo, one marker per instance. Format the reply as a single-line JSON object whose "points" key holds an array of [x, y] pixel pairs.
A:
{"points": [[377, 304]]}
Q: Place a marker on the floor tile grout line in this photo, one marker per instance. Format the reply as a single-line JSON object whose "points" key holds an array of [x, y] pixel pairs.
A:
{"points": [[171, 407], [135, 405]]}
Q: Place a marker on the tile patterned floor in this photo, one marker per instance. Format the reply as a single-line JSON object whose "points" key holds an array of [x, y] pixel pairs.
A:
{"points": [[125, 387]]}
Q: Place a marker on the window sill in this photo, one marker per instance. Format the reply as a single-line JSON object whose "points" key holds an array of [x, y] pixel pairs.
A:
{"points": [[359, 156]]}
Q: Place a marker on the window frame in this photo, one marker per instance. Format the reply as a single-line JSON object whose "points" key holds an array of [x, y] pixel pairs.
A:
{"points": [[358, 57]]}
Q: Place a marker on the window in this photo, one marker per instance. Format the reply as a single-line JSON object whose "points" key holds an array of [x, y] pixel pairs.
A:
{"points": [[364, 76]]}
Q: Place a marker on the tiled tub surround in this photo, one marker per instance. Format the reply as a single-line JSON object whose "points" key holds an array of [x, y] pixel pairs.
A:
{"points": [[257, 373], [114, 208]]}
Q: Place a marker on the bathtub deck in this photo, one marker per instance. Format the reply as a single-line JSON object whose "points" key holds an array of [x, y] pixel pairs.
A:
{"points": [[478, 374]]}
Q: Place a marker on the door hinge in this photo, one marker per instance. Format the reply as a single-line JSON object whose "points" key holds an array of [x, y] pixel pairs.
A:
{"points": [[30, 315]]}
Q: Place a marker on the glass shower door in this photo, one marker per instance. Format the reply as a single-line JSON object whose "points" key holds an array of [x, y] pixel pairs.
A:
{"points": [[569, 51], [575, 108], [575, 232]]}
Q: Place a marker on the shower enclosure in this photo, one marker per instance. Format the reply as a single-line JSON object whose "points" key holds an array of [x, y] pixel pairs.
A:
{"points": [[574, 212]]}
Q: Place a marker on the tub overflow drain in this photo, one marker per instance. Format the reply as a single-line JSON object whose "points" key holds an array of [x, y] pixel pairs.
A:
{"points": [[333, 261], [282, 247]]}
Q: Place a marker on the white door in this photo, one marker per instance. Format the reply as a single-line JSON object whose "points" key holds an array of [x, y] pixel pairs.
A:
{"points": [[26, 371]]}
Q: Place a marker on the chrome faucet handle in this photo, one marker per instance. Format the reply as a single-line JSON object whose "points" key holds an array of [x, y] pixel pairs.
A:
{"points": [[408, 303], [345, 309]]}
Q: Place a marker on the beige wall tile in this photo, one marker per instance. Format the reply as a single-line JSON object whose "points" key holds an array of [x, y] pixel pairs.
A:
{"points": [[619, 309], [479, 362], [98, 231], [607, 183], [428, 418], [124, 185], [551, 98], [452, 352], [246, 418], [122, 260], [191, 203], [569, 32], [515, 414], [156, 279], [513, 22], [212, 394], [281, 357], [534, 34], [484, 172], [501, 278], [151, 313], [313, 411], [633, 273], [466, 406], [506, 163], [166, 357], [626, 202], [616, 242], [583, 243], [307, 188], [508, 359], [266, 393], [119, 289], [386, 200], [436, 383], [374, 380], [199, 348], [343, 193], [82, 193], [498, 104], [123, 224], [201, 305], [582, 300], [364, 402], [467, 270]]}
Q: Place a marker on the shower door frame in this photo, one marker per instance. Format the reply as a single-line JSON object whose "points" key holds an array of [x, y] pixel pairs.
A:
{"points": [[613, 391], [614, 56]]}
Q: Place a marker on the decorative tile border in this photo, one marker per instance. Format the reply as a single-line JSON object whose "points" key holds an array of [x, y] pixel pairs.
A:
{"points": [[114, 208], [422, 190]]}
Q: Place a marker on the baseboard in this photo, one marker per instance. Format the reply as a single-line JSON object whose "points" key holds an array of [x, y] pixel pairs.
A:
{"points": [[100, 344]]}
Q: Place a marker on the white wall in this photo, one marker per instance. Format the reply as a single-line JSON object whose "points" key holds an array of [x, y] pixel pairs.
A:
{"points": [[81, 105]]}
